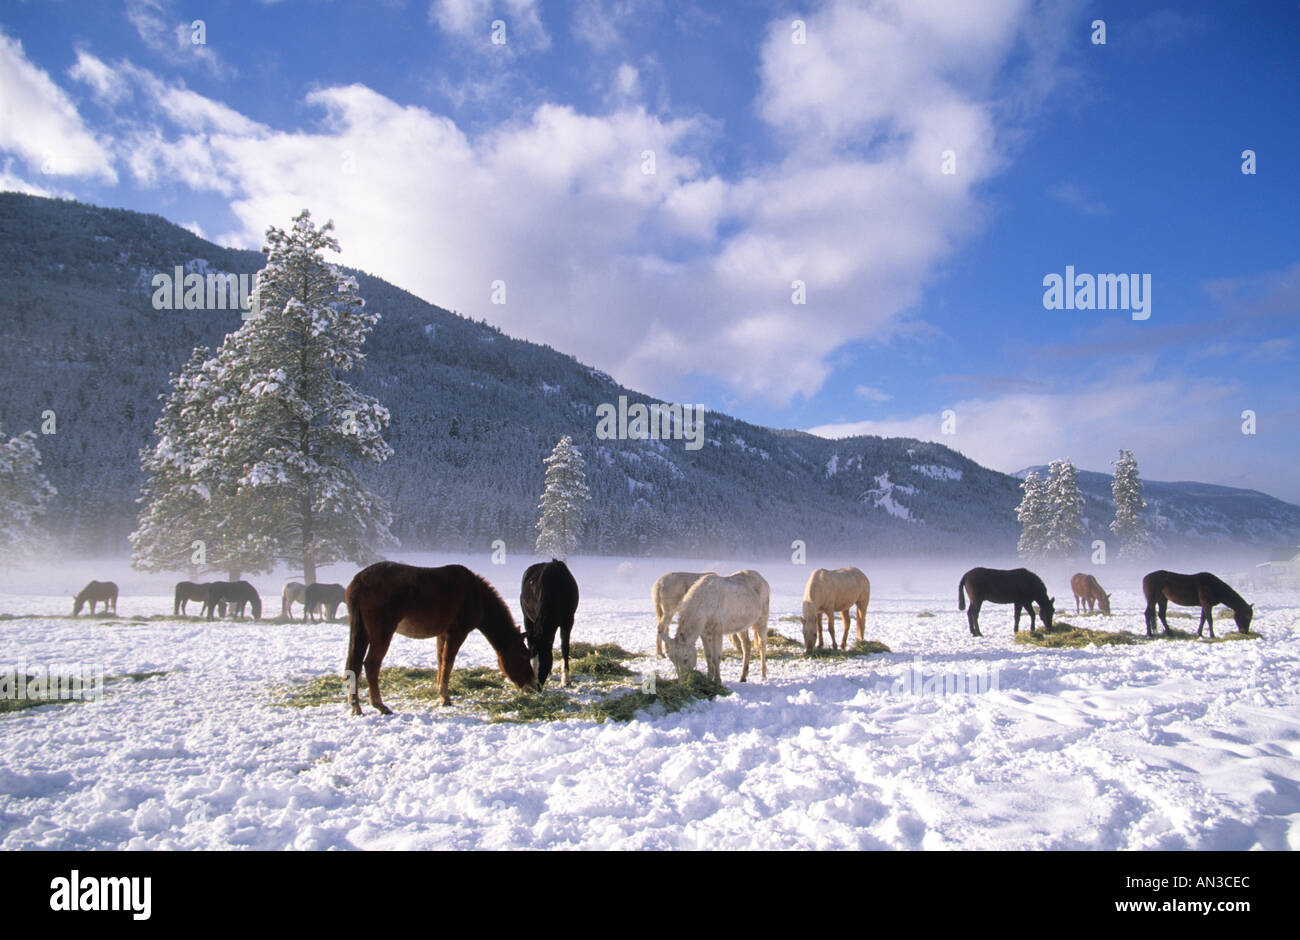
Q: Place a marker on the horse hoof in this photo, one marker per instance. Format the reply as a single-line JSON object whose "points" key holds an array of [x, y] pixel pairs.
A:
{"points": [[382, 708], [446, 702], [356, 709]]}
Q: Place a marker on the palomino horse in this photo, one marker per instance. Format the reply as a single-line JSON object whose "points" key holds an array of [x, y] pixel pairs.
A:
{"points": [[549, 599], [1019, 586], [317, 597], [716, 607], [831, 592], [1201, 590], [666, 595], [105, 591], [292, 593], [1088, 592], [235, 595], [446, 603], [187, 591]]}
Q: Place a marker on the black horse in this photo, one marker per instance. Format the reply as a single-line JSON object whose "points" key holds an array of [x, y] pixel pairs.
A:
{"points": [[1201, 590], [317, 597], [549, 598], [235, 595], [1019, 586]]}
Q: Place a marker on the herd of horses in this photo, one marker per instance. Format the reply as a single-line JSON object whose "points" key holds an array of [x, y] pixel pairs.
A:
{"points": [[221, 598], [449, 602]]}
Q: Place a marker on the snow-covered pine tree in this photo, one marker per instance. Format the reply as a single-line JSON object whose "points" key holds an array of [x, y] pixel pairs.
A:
{"points": [[1033, 517], [24, 495], [1129, 526], [1064, 510], [290, 425], [191, 502], [564, 502]]}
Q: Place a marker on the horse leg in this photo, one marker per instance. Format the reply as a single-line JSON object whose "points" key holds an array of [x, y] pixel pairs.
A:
{"points": [[1150, 615], [374, 659], [357, 643], [760, 637], [565, 629], [1017, 630], [862, 623], [973, 616], [1163, 607], [844, 641], [447, 649]]}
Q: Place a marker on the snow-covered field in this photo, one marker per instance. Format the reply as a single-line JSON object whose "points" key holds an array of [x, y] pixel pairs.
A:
{"points": [[1158, 745]]}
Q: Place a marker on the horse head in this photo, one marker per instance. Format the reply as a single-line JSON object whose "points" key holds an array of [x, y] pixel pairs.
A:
{"points": [[1104, 603], [1243, 617], [515, 660], [1046, 611], [810, 623], [682, 653]]}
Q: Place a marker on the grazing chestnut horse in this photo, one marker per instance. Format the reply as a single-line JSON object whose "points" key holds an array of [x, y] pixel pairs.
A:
{"points": [[235, 595], [447, 603], [316, 597], [1087, 590], [549, 599], [292, 593], [1019, 586], [1201, 590], [105, 591], [831, 592], [187, 591], [666, 595]]}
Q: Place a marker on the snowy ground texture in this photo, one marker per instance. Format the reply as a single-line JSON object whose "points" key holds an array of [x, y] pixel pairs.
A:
{"points": [[1160, 745]]}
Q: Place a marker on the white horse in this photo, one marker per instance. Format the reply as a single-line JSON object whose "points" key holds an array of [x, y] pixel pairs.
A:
{"points": [[293, 593], [831, 592], [716, 607], [666, 595]]}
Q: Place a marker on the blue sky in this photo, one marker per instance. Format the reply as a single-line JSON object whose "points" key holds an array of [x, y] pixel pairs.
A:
{"points": [[449, 162]]}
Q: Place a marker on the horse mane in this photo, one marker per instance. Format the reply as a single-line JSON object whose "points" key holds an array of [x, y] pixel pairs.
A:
{"points": [[493, 627], [1234, 600]]}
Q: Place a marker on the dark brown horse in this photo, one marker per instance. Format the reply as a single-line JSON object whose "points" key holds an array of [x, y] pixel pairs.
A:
{"points": [[1019, 586], [105, 591], [549, 599], [446, 603], [316, 597], [236, 595], [1201, 590], [187, 591], [1089, 592]]}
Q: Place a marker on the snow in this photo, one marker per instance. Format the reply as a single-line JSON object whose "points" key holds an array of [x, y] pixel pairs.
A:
{"points": [[882, 496], [937, 472], [1162, 745], [833, 465]]}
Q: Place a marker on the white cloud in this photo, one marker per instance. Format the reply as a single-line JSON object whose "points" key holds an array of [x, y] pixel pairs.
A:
{"points": [[868, 393], [1166, 420], [471, 20], [1071, 195], [173, 39], [40, 124], [107, 85]]}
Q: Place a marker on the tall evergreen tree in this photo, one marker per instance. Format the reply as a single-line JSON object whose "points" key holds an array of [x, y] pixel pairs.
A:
{"points": [[1064, 510], [1033, 517], [256, 445], [25, 494], [1129, 525], [564, 502]]}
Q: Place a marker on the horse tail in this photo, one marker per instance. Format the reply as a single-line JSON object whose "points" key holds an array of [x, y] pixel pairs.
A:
{"points": [[961, 594]]}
